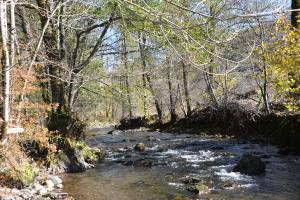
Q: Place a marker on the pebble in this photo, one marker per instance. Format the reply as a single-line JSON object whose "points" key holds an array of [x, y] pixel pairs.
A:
{"points": [[37, 186], [50, 184], [56, 180], [42, 191]]}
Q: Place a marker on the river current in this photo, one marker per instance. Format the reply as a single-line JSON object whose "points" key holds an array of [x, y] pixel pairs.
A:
{"points": [[172, 162]]}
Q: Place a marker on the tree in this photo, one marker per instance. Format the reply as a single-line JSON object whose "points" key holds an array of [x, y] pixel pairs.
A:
{"points": [[7, 58], [295, 14]]}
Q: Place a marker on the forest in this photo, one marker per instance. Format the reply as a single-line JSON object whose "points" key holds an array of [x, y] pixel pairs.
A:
{"points": [[159, 88]]}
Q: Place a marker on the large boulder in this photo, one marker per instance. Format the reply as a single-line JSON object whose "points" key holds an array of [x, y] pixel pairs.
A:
{"points": [[250, 165], [75, 156], [77, 159]]}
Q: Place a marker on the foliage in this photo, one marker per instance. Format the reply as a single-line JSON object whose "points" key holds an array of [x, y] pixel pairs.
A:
{"points": [[81, 146], [283, 58], [16, 166]]}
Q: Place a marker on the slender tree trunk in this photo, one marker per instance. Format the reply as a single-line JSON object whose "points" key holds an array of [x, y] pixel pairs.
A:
{"points": [[226, 85], [295, 14], [123, 101], [12, 33], [112, 110], [146, 77], [156, 101], [145, 106], [186, 88], [178, 96], [125, 61], [172, 103], [264, 90], [6, 68], [209, 77], [142, 42], [212, 27]]}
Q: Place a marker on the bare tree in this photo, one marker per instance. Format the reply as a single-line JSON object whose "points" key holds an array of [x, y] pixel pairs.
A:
{"points": [[5, 60]]}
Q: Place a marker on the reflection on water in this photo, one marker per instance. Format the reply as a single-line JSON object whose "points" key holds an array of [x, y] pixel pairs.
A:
{"points": [[169, 159]]}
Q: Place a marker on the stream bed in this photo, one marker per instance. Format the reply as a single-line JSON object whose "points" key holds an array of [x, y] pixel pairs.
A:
{"points": [[171, 162]]}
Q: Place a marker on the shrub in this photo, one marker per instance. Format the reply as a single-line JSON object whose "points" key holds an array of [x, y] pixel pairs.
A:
{"points": [[15, 166]]}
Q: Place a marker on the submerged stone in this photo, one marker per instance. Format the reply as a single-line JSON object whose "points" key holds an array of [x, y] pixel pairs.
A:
{"points": [[143, 163], [139, 147]]}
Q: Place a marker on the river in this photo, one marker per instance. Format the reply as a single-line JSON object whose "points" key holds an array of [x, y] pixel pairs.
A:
{"points": [[171, 162]]}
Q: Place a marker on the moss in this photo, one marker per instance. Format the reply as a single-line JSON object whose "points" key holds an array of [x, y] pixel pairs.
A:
{"points": [[24, 173], [81, 146]]}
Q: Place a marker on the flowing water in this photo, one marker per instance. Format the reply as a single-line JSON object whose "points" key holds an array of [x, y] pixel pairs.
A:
{"points": [[171, 161]]}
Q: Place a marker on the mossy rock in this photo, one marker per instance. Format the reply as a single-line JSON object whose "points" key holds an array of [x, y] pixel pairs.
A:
{"points": [[140, 147]]}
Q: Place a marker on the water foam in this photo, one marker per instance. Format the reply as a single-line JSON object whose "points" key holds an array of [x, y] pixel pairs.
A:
{"points": [[225, 175]]}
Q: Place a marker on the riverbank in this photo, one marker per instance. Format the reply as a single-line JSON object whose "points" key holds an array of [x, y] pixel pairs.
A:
{"points": [[280, 129], [38, 176]]}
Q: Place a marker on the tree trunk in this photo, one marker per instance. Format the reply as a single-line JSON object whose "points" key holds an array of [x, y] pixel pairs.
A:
{"points": [[186, 89], [295, 14], [172, 103], [57, 93], [142, 42], [125, 61], [12, 33], [209, 77], [75, 67], [156, 101], [146, 77], [6, 68]]}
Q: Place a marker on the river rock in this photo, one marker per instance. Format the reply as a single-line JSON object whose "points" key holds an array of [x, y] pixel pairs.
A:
{"points": [[250, 165], [115, 132], [143, 163], [50, 185], [228, 185], [37, 186], [128, 163], [199, 189], [55, 179], [75, 159], [42, 191], [99, 152], [139, 147]]}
